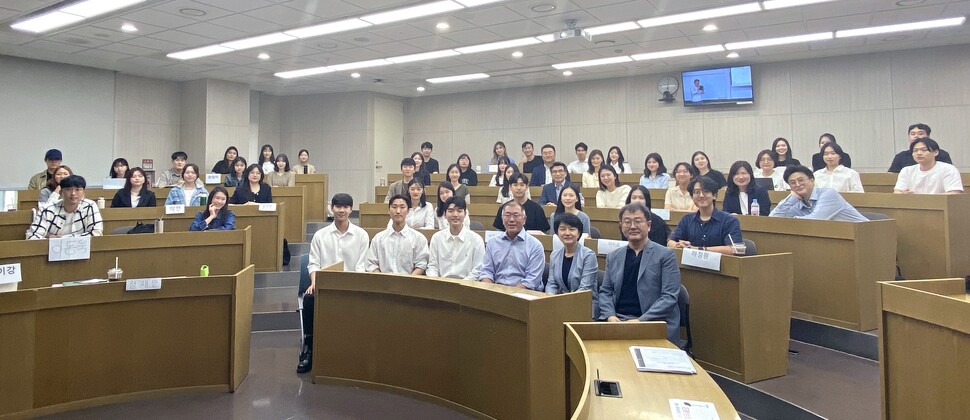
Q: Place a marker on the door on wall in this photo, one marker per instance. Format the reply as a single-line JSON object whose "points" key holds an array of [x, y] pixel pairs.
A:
{"points": [[388, 138]]}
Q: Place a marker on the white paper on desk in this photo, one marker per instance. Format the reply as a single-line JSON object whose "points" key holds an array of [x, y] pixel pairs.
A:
{"points": [[664, 214], [493, 168], [213, 179], [661, 359], [10, 273], [692, 410], [701, 259], [67, 249], [175, 209], [489, 234], [605, 246]]}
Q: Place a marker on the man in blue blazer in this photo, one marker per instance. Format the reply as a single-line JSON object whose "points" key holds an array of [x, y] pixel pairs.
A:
{"points": [[550, 191], [541, 173], [642, 280]]}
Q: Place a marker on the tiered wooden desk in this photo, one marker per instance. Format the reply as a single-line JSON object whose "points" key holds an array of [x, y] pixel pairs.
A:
{"points": [[294, 222], [600, 349], [267, 235], [74, 347], [924, 349], [476, 348], [316, 197], [151, 255], [885, 182]]}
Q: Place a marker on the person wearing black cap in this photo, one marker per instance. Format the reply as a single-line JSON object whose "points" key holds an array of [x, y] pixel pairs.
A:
{"points": [[53, 161]]}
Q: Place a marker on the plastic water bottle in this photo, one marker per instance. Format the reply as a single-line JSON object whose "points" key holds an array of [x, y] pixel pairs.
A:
{"points": [[755, 208]]}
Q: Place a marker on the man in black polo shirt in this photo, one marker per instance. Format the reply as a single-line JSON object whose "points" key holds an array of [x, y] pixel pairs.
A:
{"points": [[535, 217], [529, 161], [905, 158], [430, 164]]}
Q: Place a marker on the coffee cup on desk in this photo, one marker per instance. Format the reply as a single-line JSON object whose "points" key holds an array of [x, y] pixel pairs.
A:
{"points": [[739, 248], [115, 273]]}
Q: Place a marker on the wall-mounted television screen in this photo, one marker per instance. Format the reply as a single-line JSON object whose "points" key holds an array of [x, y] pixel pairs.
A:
{"points": [[727, 85]]}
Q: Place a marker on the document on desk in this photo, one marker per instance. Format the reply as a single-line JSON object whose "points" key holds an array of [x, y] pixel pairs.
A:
{"points": [[660, 359], [692, 410], [70, 248]]}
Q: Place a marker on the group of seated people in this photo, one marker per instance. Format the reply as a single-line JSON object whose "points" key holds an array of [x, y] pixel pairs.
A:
{"points": [[64, 211]]}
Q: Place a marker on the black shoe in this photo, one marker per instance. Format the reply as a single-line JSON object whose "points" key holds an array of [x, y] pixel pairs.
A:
{"points": [[306, 362]]}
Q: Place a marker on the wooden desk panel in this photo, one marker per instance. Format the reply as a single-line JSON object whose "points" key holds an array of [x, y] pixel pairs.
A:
{"points": [[148, 255], [123, 345], [601, 348], [317, 196], [924, 349], [885, 182], [445, 341]]}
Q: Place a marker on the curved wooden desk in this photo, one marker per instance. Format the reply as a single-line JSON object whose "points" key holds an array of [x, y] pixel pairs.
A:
{"points": [[593, 347], [74, 347], [477, 348], [147, 255]]}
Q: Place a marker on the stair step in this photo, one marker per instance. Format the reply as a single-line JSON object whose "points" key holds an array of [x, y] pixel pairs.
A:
{"points": [[276, 321], [313, 227], [298, 248], [277, 279], [275, 299]]}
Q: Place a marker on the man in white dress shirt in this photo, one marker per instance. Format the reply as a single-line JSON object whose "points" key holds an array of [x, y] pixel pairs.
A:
{"points": [[341, 241], [456, 252], [398, 249], [928, 176], [579, 165]]}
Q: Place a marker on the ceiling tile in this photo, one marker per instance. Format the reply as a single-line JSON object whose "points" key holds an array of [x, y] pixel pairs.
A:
{"points": [[55, 46], [581, 55], [911, 14], [236, 5], [157, 18], [130, 49], [723, 24], [455, 24], [157, 44], [489, 15], [882, 5], [432, 43], [27, 5], [769, 17], [624, 12], [359, 39], [175, 7], [216, 32], [561, 21], [360, 54], [477, 58], [396, 48], [774, 31], [185, 38], [652, 34], [721, 38], [518, 29], [148, 61], [284, 16], [247, 23], [844, 8], [667, 7], [400, 32], [8, 13], [114, 24], [100, 33], [103, 55], [832, 24], [473, 36], [525, 8], [566, 45], [81, 41]]}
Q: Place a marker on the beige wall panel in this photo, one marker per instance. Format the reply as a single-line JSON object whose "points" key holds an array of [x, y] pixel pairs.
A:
{"points": [[429, 114], [137, 141], [443, 151], [854, 83], [931, 77], [865, 135], [145, 100], [477, 111], [727, 140], [350, 182], [530, 107], [544, 135], [192, 118], [219, 137], [674, 140], [593, 102], [227, 103], [478, 145], [643, 105], [950, 125]]}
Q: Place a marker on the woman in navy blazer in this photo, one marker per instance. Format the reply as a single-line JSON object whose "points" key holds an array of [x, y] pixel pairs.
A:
{"points": [[740, 181], [135, 186], [579, 271]]}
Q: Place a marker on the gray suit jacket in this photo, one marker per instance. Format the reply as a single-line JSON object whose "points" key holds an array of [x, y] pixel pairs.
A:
{"points": [[658, 285], [582, 274]]}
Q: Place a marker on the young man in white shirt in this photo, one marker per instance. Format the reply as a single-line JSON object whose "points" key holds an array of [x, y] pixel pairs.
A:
{"points": [[928, 176], [456, 252], [341, 241], [579, 165], [398, 249]]}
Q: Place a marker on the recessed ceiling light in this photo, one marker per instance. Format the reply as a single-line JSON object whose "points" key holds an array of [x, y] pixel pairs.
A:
{"points": [[128, 27], [442, 26], [512, 43], [710, 27], [263, 56], [327, 45], [733, 55], [188, 11], [258, 41], [359, 65], [355, 75], [420, 89], [609, 29], [517, 54], [543, 8], [908, 3], [46, 22], [567, 73], [199, 52], [604, 43]]}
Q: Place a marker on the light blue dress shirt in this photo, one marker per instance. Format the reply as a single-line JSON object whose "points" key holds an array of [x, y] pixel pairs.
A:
{"points": [[662, 181], [825, 204], [514, 261]]}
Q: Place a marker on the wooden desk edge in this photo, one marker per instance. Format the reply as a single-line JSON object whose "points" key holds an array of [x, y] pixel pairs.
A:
{"points": [[402, 391]]}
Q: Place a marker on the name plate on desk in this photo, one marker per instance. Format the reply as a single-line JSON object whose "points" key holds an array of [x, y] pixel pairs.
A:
{"points": [[175, 209], [213, 179], [154, 283], [10, 273], [267, 206], [701, 259], [67, 249], [605, 246], [664, 214], [489, 234]]}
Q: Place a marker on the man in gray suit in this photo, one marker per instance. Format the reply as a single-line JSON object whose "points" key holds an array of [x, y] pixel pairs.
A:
{"points": [[642, 280]]}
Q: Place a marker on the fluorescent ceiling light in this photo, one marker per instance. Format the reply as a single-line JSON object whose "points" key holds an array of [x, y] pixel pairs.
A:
{"points": [[92, 8], [778, 41], [590, 63], [474, 3], [929, 24], [700, 15], [359, 65], [779, 4], [678, 53], [609, 29], [327, 28], [423, 56], [547, 38], [303, 73], [199, 52], [512, 43], [258, 41], [413, 12], [46, 22], [458, 78]]}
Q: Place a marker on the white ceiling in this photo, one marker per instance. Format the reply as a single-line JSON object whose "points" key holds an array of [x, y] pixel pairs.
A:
{"points": [[165, 27]]}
